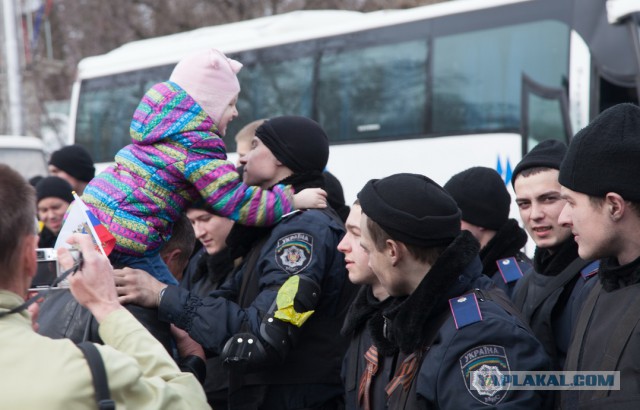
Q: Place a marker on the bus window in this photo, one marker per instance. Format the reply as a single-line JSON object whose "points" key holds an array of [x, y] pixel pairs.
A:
{"points": [[270, 89], [106, 106], [372, 93], [477, 74]]}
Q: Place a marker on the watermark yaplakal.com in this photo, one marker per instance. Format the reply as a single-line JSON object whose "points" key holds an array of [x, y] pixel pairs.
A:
{"points": [[489, 379]]}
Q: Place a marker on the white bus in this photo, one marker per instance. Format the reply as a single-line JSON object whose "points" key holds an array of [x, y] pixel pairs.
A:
{"points": [[432, 90]]}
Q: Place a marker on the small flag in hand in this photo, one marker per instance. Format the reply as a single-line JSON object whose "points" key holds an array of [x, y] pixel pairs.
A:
{"points": [[80, 219]]}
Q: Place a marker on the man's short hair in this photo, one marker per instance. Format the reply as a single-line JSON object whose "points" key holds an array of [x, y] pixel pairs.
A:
{"points": [[423, 254], [182, 237], [17, 219], [535, 170], [597, 202]]}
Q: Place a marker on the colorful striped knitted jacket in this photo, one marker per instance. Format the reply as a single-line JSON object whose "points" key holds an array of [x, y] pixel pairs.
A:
{"points": [[176, 159]]}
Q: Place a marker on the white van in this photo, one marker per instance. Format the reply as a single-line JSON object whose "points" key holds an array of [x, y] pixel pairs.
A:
{"points": [[24, 154]]}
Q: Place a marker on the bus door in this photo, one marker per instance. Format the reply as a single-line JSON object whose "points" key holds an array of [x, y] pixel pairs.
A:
{"points": [[611, 30], [544, 114]]}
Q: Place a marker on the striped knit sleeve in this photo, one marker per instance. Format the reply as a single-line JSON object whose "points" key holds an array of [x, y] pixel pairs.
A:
{"points": [[222, 188]]}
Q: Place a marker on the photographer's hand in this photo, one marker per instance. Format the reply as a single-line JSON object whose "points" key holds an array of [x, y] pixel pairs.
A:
{"points": [[92, 285], [138, 287]]}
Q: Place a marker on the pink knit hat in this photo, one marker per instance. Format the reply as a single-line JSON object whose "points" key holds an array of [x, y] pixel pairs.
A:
{"points": [[209, 77]]}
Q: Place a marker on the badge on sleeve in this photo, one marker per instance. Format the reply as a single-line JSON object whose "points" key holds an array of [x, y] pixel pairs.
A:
{"points": [[483, 368], [294, 252]]}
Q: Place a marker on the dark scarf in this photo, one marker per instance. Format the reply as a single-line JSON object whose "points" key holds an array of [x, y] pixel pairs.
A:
{"points": [[241, 238], [506, 243], [410, 319], [367, 310], [216, 267], [47, 238], [613, 276], [548, 264]]}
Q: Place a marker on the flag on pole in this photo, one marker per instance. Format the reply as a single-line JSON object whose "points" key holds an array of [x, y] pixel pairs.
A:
{"points": [[80, 219]]}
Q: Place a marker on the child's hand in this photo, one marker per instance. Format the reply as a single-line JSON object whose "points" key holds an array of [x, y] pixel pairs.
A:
{"points": [[310, 198]]}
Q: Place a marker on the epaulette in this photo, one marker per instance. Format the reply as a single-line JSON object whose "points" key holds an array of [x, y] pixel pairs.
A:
{"points": [[465, 310], [509, 269], [590, 270]]}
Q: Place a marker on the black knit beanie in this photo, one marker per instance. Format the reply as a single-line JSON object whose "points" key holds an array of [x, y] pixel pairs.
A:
{"points": [[548, 154], [412, 209], [54, 187], [605, 155], [298, 142], [75, 160], [482, 197]]}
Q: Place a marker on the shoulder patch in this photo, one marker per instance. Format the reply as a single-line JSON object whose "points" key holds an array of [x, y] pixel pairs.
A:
{"points": [[294, 252], [510, 270], [482, 369], [590, 270], [465, 310]]}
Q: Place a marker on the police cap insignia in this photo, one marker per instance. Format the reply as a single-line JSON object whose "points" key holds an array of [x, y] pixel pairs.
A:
{"points": [[294, 252], [483, 368]]}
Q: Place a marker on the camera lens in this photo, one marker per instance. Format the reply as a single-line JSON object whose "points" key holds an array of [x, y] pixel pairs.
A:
{"points": [[40, 254]]}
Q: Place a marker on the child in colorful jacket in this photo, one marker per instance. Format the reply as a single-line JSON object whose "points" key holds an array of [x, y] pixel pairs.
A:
{"points": [[178, 158]]}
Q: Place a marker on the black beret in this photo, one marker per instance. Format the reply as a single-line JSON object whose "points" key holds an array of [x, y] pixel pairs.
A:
{"points": [[605, 155], [482, 197], [412, 209], [298, 142], [54, 187], [548, 154]]}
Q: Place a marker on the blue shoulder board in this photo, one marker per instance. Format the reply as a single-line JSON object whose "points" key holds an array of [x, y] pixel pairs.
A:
{"points": [[465, 310], [590, 270], [509, 269]]}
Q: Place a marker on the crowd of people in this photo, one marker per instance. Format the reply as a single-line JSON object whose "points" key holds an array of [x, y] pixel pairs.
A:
{"points": [[254, 286]]}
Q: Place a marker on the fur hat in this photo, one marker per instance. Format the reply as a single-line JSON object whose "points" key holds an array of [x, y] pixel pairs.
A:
{"points": [[54, 187], [75, 160], [209, 77], [298, 142], [412, 208], [605, 155], [482, 197], [548, 154]]}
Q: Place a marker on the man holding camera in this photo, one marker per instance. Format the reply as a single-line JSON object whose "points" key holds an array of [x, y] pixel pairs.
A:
{"points": [[54, 374]]}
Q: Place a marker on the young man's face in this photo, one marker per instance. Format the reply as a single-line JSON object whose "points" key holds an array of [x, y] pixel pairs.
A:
{"points": [[260, 165], [51, 212], [380, 263], [590, 223], [540, 203], [356, 259], [57, 172], [211, 230]]}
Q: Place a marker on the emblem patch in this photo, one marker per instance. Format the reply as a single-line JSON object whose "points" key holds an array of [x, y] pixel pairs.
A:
{"points": [[294, 252], [483, 368]]}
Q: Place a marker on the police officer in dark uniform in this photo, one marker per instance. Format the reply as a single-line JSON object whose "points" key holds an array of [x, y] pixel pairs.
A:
{"points": [[276, 322], [484, 201], [599, 178], [452, 327], [550, 294]]}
